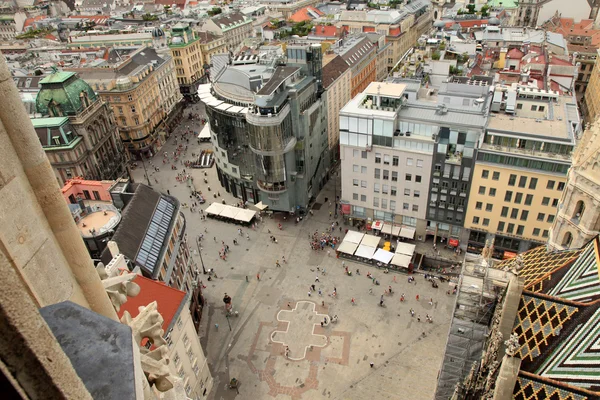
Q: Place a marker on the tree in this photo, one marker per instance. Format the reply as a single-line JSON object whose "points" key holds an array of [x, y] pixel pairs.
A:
{"points": [[215, 11], [485, 11], [435, 56], [442, 46], [471, 8], [149, 17]]}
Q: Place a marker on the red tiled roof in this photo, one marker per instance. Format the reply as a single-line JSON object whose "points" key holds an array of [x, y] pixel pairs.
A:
{"points": [[368, 29], [168, 299], [394, 32], [30, 21], [568, 27], [306, 14], [51, 37], [326, 30], [559, 61], [515, 54], [472, 23]]}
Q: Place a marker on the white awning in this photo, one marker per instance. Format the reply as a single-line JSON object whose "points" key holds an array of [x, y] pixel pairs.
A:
{"points": [[205, 132], [230, 212], [215, 208], [405, 248], [383, 256], [389, 230], [401, 260], [377, 225], [205, 88], [261, 206], [365, 252], [224, 106], [353, 237], [245, 215], [407, 232], [347, 248], [370, 241]]}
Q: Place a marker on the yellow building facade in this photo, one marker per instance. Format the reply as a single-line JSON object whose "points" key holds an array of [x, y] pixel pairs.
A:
{"points": [[187, 55], [592, 94]]}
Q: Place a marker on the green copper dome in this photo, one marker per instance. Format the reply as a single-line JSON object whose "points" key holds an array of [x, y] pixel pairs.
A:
{"points": [[63, 94]]}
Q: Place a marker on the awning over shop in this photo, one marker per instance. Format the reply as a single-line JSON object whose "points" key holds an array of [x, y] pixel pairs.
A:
{"points": [[353, 237], [346, 209], [407, 232], [370, 241], [347, 247], [453, 242], [377, 225], [261, 206], [388, 229], [401, 260], [405, 248], [365, 251], [383, 256], [205, 132], [215, 208]]}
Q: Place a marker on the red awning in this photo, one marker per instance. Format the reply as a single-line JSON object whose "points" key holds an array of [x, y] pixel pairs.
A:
{"points": [[453, 242], [377, 225], [508, 255], [346, 209]]}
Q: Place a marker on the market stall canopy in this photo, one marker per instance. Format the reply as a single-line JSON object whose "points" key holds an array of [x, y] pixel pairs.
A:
{"points": [[347, 248], [407, 232], [383, 256], [353, 237], [377, 225], [261, 206], [229, 212], [365, 251], [401, 260], [405, 248], [245, 215], [388, 229], [204, 133], [215, 208], [370, 240]]}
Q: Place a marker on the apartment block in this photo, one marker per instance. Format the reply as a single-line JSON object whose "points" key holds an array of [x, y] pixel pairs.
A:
{"points": [[233, 26], [187, 56], [361, 56], [337, 83], [521, 169]]}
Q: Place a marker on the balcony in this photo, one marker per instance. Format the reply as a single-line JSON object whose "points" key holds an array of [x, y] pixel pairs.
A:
{"points": [[256, 118], [455, 158], [268, 187], [526, 152]]}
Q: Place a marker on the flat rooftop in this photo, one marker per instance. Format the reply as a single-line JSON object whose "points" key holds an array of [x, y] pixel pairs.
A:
{"points": [[386, 89], [100, 222]]}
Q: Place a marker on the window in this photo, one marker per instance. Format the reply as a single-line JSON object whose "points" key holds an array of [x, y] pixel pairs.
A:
{"points": [[554, 202], [510, 228], [407, 192], [355, 153], [385, 189], [524, 215], [363, 197], [179, 323], [522, 181], [355, 182], [418, 178], [395, 161], [354, 196], [417, 193], [386, 159], [496, 176], [355, 168], [481, 189], [409, 162], [493, 192], [475, 220], [364, 154], [550, 218], [518, 198], [550, 184], [541, 108], [533, 108], [489, 207], [512, 180], [419, 163], [478, 205], [528, 199], [375, 201], [508, 195], [532, 183], [561, 186], [394, 176], [504, 212], [377, 158], [377, 173], [536, 231], [120, 109], [500, 226], [485, 174], [363, 184], [408, 177], [392, 205], [384, 204], [545, 233], [393, 191], [133, 109], [405, 206], [514, 213], [545, 201], [376, 187], [415, 207], [520, 229], [176, 359], [386, 174], [363, 170], [486, 222], [541, 216]]}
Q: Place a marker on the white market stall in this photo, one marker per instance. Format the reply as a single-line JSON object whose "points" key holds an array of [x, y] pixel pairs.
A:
{"points": [[383, 256], [401, 260], [229, 212], [370, 241], [245, 215], [407, 232], [215, 208], [405, 248], [365, 251], [353, 237], [388, 229], [347, 248]]}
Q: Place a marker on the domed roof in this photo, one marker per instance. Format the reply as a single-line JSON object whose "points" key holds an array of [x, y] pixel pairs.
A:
{"points": [[64, 90], [177, 40], [493, 21], [439, 24], [158, 33]]}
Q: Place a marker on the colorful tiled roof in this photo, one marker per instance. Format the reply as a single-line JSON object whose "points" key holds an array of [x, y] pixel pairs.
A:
{"points": [[306, 14]]}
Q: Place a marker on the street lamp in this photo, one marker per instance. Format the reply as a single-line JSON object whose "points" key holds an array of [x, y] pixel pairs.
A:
{"points": [[200, 253]]}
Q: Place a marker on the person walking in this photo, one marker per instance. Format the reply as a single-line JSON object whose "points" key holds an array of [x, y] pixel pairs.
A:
{"points": [[283, 259], [258, 276], [417, 297], [277, 264], [371, 364], [317, 279], [353, 302]]}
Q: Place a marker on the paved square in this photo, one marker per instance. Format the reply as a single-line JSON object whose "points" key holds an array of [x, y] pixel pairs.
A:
{"points": [[406, 363]]}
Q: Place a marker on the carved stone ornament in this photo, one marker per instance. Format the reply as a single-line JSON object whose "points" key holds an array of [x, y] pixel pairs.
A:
{"points": [[118, 287], [512, 345], [155, 363]]}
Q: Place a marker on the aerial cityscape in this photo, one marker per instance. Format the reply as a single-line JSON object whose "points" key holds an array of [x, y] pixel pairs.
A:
{"points": [[296, 199]]}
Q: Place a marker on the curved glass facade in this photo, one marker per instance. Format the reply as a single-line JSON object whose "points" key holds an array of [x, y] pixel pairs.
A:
{"points": [[270, 172], [270, 137]]}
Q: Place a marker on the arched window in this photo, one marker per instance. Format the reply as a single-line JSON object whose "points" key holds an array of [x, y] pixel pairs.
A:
{"points": [[85, 101], [567, 239], [579, 210]]}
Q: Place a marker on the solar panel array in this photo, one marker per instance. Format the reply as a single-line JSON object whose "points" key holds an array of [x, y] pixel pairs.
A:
{"points": [[155, 235]]}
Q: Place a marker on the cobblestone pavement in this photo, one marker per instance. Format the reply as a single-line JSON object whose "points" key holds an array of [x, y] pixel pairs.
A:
{"points": [[406, 354]]}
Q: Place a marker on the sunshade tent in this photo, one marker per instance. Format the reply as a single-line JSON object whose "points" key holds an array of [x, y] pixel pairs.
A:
{"points": [[261, 206], [405, 248], [215, 208], [245, 215], [230, 212], [391, 230], [401, 260], [205, 132], [347, 248], [383, 256], [408, 233], [353, 237], [365, 251], [370, 240]]}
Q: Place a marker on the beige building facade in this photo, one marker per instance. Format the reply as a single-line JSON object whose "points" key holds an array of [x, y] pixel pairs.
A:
{"points": [[211, 44], [592, 93], [337, 82], [233, 26], [187, 56]]}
